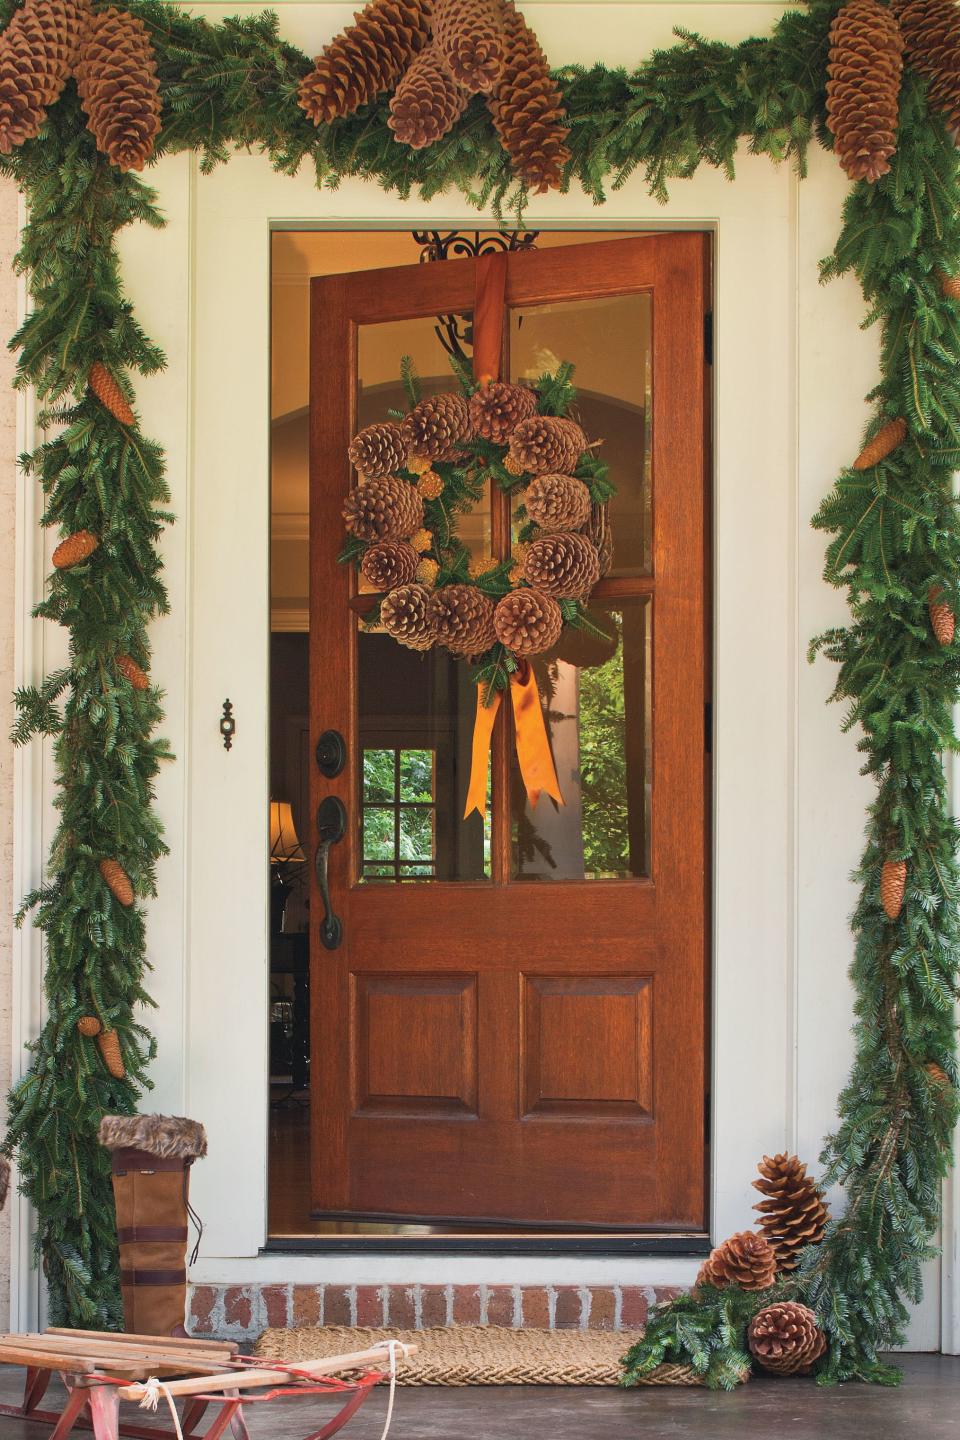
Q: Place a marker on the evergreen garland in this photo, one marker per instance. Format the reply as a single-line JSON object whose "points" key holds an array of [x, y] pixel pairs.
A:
{"points": [[895, 539]]}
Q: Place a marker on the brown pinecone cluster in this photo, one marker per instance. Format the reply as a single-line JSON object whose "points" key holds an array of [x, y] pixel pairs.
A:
{"points": [[545, 444], [497, 409], [389, 563], [792, 1212], [118, 87], [378, 450], [37, 55], [435, 427], [931, 33], [404, 615], [746, 1260], [863, 90], [557, 502], [565, 565], [528, 621], [785, 1339], [388, 508], [434, 58], [462, 619]]}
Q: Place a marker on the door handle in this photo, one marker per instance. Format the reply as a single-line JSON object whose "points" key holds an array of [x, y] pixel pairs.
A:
{"points": [[331, 828]]}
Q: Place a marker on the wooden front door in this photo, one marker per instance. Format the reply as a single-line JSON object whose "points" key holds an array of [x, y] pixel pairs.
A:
{"points": [[512, 1027]]}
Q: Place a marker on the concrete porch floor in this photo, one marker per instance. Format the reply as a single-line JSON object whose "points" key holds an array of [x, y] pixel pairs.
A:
{"points": [[925, 1407]]}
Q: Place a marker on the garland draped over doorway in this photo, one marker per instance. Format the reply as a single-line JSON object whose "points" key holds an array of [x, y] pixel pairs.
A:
{"points": [[894, 549]]}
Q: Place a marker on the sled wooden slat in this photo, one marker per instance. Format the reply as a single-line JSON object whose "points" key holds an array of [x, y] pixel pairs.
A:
{"points": [[251, 1379], [172, 1342]]}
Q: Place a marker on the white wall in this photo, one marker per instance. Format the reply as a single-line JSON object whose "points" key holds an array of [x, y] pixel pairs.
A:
{"points": [[791, 369]]}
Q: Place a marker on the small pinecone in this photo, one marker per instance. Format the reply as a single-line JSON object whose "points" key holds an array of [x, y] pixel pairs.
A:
{"points": [[785, 1338], [745, 1260], [557, 502], [378, 450], [600, 531], [430, 485], [938, 1076], [564, 564], [383, 509], [949, 284], [109, 394], [403, 614], [497, 409], [89, 1026], [528, 621], [879, 446], [74, 550], [131, 671], [37, 52], [527, 110], [461, 617], [863, 91], [792, 1214], [118, 87], [109, 1042], [893, 886], [117, 881], [546, 444], [469, 36], [427, 103], [390, 563], [943, 622], [436, 426], [365, 60]]}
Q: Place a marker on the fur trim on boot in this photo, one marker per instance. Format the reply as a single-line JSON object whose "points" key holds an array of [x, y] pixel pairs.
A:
{"points": [[166, 1136]]}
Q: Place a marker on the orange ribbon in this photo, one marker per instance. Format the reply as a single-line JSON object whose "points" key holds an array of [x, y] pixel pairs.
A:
{"points": [[533, 748]]}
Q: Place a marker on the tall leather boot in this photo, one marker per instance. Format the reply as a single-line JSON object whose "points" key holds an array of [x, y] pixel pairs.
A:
{"points": [[152, 1156]]}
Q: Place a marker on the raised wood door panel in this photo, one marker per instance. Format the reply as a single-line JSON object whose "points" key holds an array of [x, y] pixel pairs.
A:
{"points": [[493, 1050]]}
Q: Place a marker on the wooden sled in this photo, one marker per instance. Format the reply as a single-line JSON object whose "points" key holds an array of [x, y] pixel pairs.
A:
{"points": [[100, 1370]]}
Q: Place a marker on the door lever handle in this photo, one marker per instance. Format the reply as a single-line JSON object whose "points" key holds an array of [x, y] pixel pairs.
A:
{"points": [[331, 828]]}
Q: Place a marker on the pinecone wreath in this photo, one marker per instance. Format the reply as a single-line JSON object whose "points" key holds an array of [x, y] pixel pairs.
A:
{"points": [[37, 53], [469, 36], [497, 409], [931, 34], [545, 444], [383, 509], [557, 502], [792, 1213], [461, 618], [74, 550], [403, 614], [117, 881], [436, 425], [118, 87], [389, 563], [863, 91], [378, 450], [528, 621], [108, 392], [893, 887], [746, 1260], [565, 565], [365, 60], [527, 109], [785, 1339], [427, 103]]}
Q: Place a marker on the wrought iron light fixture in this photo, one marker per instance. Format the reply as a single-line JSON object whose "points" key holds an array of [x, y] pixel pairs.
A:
{"points": [[456, 331]]}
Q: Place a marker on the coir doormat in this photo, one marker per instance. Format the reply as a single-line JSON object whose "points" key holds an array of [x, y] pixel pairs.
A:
{"points": [[480, 1354]]}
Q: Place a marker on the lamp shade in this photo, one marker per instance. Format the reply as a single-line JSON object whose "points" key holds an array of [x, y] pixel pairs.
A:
{"points": [[284, 845]]}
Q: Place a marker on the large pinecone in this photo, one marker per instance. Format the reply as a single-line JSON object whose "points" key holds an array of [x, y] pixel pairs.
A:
{"points": [[469, 36], [863, 91], [435, 427], [366, 59], [118, 87], [497, 409], [557, 502], [427, 103], [527, 108], [378, 450], [37, 52], [382, 509], [389, 563], [746, 1260], [403, 614], [786, 1339], [792, 1214], [546, 444], [528, 621], [931, 35], [462, 619], [564, 564]]}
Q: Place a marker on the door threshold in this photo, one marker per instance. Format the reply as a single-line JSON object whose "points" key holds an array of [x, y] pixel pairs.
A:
{"points": [[613, 1243]]}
